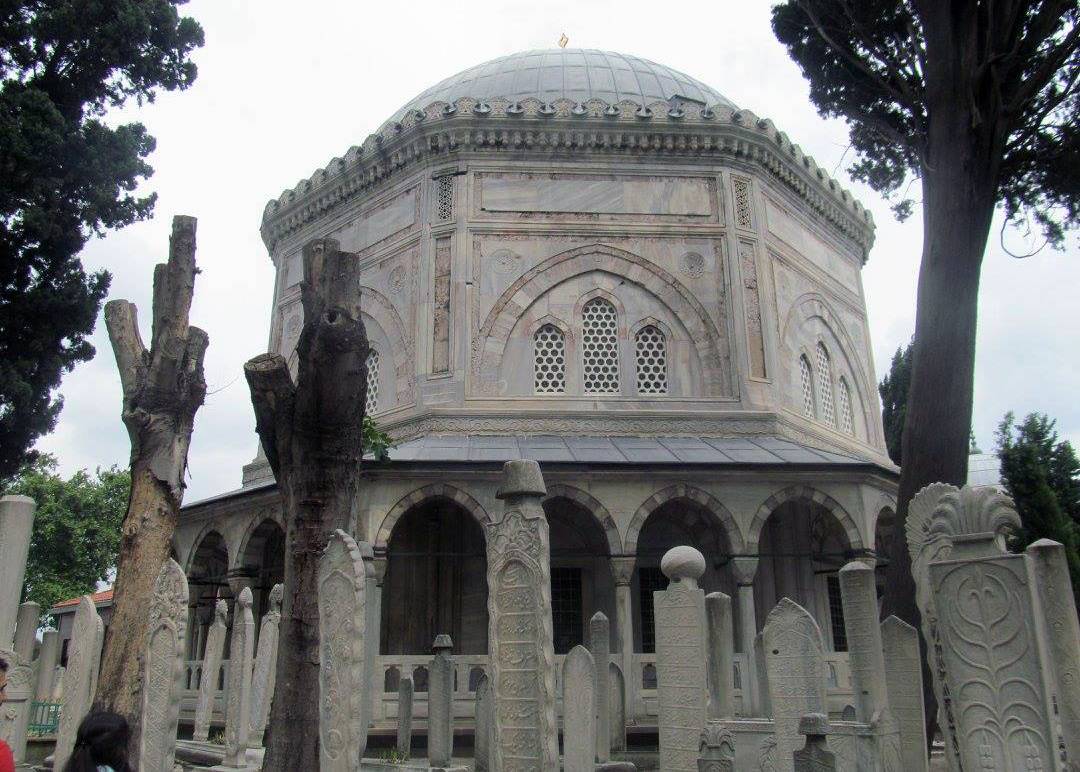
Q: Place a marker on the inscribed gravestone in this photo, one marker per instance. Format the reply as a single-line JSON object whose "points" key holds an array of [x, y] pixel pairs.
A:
{"points": [[80, 679], [264, 677], [15, 709], [579, 711], [45, 666], [617, 701], [485, 719], [16, 523], [795, 662], [903, 681], [164, 664], [28, 617], [440, 704], [519, 619], [716, 749], [342, 622], [680, 659], [238, 701], [721, 655], [211, 666], [858, 591], [405, 715], [600, 649]]}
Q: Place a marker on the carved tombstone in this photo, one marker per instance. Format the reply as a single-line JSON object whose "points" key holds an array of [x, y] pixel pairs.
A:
{"points": [[441, 703], [716, 750], [579, 711], [761, 676], [617, 701], [680, 659], [164, 665], [858, 593], [211, 666], [519, 619], [600, 649], [342, 622], [59, 680], [80, 679], [15, 709], [238, 702], [405, 716], [721, 655], [16, 525], [795, 662], [485, 718], [903, 681], [988, 630], [815, 755], [264, 676], [45, 667]]}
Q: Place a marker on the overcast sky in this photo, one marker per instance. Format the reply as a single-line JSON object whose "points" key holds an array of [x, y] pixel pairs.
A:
{"points": [[283, 87]]}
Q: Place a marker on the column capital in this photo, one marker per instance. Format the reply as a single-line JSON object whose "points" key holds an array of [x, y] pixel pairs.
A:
{"points": [[744, 570], [622, 568], [380, 563], [238, 583]]}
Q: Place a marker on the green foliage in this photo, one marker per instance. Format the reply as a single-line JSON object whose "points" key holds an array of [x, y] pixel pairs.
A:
{"points": [[1042, 474], [392, 756], [894, 392], [889, 66], [375, 442], [76, 536], [65, 175]]}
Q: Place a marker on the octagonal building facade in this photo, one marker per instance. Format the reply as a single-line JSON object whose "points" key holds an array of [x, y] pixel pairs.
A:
{"points": [[600, 263]]}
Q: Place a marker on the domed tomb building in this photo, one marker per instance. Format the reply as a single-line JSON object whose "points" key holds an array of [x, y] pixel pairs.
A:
{"points": [[591, 260]]}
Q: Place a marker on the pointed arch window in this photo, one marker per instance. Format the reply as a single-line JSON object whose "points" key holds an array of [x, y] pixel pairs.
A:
{"points": [[600, 347], [824, 384], [549, 360], [651, 354], [371, 401], [807, 387], [847, 419]]}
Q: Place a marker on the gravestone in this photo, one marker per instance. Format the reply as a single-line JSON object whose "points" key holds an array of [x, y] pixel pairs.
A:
{"points": [[814, 756], [989, 631], [680, 659], [15, 708], [761, 676], [405, 716], [485, 719], [441, 703], [721, 656], [903, 682], [211, 667], [519, 619], [600, 649], [579, 711], [80, 680], [858, 593], [28, 618], [164, 665], [45, 666], [371, 632], [795, 661], [59, 679], [617, 701], [238, 699], [342, 623], [264, 677], [716, 749], [16, 524]]}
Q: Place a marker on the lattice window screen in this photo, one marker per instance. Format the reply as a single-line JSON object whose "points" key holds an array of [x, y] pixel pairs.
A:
{"points": [[444, 204], [371, 402], [744, 217], [600, 347], [807, 387], [824, 376], [651, 352], [549, 360], [847, 420]]}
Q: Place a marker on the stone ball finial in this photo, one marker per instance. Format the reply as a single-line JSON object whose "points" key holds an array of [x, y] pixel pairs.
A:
{"points": [[521, 478], [814, 725], [683, 563], [442, 642]]}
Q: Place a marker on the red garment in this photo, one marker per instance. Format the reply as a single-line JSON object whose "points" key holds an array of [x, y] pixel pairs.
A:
{"points": [[7, 761]]}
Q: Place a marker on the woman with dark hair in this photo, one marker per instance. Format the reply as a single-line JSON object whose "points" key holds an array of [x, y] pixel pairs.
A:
{"points": [[101, 744]]}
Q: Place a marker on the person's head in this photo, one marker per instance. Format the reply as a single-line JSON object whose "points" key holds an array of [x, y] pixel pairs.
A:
{"points": [[102, 740], [3, 680]]}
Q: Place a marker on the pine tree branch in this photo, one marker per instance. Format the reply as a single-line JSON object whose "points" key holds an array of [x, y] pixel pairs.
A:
{"points": [[1031, 84]]}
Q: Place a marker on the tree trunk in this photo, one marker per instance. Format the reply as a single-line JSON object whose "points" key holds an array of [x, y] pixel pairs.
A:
{"points": [[163, 388], [312, 435]]}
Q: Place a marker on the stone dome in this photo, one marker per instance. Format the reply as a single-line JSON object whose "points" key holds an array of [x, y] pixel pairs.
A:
{"points": [[577, 74]]}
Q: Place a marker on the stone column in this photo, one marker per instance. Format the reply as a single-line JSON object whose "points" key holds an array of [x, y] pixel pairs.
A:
{"points": [[680, 659], [46, 665], [903, 684], [623, 570], [519, 624], [28, 618], [721, 668], [485, 720], [371, 624], [211, 667], [600, 649], [16, 523], [744, 570], [164, 666], [238, 708], [580, 727], [264, 677], [441, 704], [404, 716], [858, 591], [80, 679]]}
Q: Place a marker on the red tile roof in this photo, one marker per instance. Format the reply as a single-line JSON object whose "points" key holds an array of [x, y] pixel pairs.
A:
{"points": [[97, 597]]}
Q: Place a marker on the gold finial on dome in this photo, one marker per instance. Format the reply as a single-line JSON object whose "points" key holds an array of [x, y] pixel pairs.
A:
{"points": [[563, 40]]}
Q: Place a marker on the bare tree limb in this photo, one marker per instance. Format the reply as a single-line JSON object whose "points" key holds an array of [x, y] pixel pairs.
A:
{"points": [[122, 323]]}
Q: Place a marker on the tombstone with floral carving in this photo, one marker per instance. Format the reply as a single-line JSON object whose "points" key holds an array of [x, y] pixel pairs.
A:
{"points": [[164, 665], [716, 751], [15, 709]]}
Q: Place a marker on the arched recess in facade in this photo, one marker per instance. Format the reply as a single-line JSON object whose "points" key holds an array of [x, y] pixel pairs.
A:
{"points": [[884, 534], [207, 574], [436, 572], [803, 537], [680, 514], [710, 341], [402, 348], [261, 560]]}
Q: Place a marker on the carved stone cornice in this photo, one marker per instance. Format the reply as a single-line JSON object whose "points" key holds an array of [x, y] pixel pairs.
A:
{"points": [[565, 130]]}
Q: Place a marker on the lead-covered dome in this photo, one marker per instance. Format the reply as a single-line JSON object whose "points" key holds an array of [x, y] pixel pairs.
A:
{"points": [[576, 74]]}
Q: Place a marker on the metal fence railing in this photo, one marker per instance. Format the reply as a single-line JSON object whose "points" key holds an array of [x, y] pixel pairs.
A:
{"points": [[44, 718]]}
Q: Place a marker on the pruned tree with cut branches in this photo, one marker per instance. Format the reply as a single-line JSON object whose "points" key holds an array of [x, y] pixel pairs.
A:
{"points": [[978, 101]]}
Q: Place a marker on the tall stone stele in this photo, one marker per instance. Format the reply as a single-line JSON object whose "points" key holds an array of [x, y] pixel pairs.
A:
{"points": [[600, 649], [238, 700], [264, 677], [211, 667], [519, 625], [485, 720], [80, 679], [164, 665], [405, 717], [579, 711], [441, 703], [16, 523], [721, 656]]}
